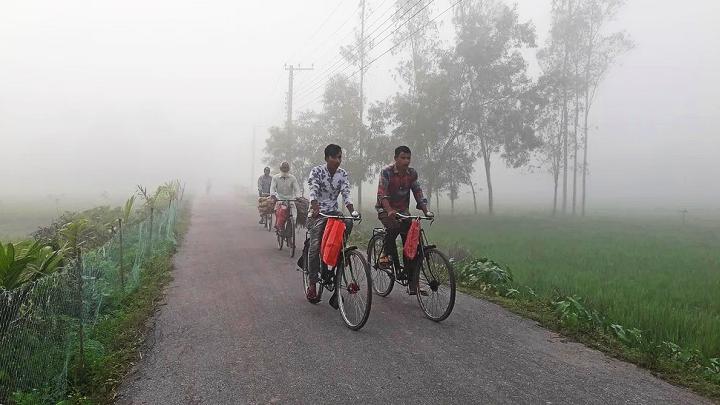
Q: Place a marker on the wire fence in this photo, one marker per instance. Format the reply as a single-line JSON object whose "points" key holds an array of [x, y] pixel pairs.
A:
{"points": [[43, 324]]}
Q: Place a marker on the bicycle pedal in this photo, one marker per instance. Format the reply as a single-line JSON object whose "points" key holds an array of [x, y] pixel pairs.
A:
{"points": [[334, 301]]}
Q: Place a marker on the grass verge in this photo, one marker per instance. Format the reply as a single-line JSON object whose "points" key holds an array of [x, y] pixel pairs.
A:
{"points": [[113, 345], [570, 317]]}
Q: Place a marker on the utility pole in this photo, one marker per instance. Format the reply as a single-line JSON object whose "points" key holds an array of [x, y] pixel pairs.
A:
{"points": [[362, 57], [291, 75], [362, 80], [252, 159]]}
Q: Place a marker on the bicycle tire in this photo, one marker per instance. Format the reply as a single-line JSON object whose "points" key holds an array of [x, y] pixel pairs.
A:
{"points": [[438, 276], [290, 234], [269, 222], [356, 284], [383, 280]]}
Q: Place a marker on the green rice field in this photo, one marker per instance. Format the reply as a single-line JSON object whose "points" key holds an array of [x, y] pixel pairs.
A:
{"points": [[656, 275]]}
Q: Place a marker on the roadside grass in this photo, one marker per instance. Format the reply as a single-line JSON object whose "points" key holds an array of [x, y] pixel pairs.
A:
{"points": [[122, 330], [639, 290], [659, 277], [680, 369], [113, 345]]}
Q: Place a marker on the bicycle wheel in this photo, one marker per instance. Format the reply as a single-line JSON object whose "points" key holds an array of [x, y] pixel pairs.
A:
{"points": [[306, 282], [290, 235], [382, 280], [353, 286], [437, 279], [268, 222]]}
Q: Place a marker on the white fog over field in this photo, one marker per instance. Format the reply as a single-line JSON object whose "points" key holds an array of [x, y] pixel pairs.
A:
{"points": [[98, 96]]}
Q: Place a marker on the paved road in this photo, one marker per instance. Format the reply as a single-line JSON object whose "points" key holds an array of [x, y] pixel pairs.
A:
{"points": [[236, 329]]}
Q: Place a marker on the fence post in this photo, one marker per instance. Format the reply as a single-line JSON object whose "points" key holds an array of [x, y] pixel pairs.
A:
{"points": [[122, 268], [81, 311], [152, 213]]}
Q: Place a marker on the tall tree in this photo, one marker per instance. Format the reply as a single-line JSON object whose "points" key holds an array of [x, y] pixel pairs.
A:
{"points": [[549, 122], [302, 150], [341, 107], [493, 77], [598, 51]]}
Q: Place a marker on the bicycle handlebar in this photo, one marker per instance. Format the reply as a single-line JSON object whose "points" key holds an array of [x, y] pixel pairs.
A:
{"points": [[420, 217], [359, 218]]}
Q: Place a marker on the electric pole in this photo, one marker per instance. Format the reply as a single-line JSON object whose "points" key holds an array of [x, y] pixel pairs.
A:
{"points": [[362, 80], [362, 58], [291, 75], [252, 159]]}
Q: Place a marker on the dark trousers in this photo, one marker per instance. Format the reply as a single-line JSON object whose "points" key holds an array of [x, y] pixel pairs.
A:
{"points": [[316, 228], [393, 228]]}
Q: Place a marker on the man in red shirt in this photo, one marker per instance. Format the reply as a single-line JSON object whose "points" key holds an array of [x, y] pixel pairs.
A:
{"points": [[396, 182]]}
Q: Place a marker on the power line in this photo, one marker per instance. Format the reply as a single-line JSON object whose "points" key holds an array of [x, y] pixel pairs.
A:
{"points": [[314, 79], [340, 59], [322, 43], [329, 71], [332, 13], [392, 47], [348, 64]]}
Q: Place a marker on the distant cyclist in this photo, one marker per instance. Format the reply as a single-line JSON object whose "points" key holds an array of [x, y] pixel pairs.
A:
{"points": [[284, 186], [263, 185], [326, 182], [393, 196]]}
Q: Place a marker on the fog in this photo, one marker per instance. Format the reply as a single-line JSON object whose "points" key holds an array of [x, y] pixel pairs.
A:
{"points": [[102, 95]]}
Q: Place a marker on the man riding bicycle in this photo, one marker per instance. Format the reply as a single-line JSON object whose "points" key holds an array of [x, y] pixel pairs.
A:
{"points": [[326, 182], [284, 186], [393, 197], [263, 185]]}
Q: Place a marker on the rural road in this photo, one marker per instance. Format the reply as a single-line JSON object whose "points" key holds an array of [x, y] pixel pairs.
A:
{"points": [[236, 329]]}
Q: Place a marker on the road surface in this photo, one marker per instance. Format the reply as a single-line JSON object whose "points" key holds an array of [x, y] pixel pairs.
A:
{"points": [[236, 329]]}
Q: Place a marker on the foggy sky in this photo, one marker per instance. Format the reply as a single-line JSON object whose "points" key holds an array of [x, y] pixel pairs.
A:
{"points": [[102, 95]]}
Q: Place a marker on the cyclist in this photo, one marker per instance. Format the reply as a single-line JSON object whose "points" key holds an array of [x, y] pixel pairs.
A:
{"points": [[393, 196], [326, 182], [284, 186], [263, 185]]}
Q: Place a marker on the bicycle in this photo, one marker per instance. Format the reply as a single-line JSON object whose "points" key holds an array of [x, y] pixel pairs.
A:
{"points": [[287, 234], [267, 217], [436, 276], [349, 281]]}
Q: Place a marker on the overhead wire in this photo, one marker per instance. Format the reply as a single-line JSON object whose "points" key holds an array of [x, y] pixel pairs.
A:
{"points": [[329, 72], [314, 78], [320, 84], [390, 49], [320, 27]]}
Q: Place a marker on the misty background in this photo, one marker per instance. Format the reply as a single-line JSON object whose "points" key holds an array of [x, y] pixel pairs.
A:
{"points": [[100, 96]]}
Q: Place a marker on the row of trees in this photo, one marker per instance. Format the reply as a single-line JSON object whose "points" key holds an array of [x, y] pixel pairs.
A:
{"points": [[472, 101]]}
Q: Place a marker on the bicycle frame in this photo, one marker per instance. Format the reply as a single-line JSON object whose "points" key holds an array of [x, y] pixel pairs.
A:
{"points": [[423, 243], [329, 284]]}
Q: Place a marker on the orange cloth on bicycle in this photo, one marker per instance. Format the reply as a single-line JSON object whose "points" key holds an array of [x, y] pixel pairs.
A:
{"points": [[281, 214], [332, 241], [412, 241]]}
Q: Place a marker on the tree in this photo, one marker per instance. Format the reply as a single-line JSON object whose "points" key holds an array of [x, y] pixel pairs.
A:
{"points": [[577, 56], [303, 150], [341, 106], [493, 78], [549, 122], [599, 52]]}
